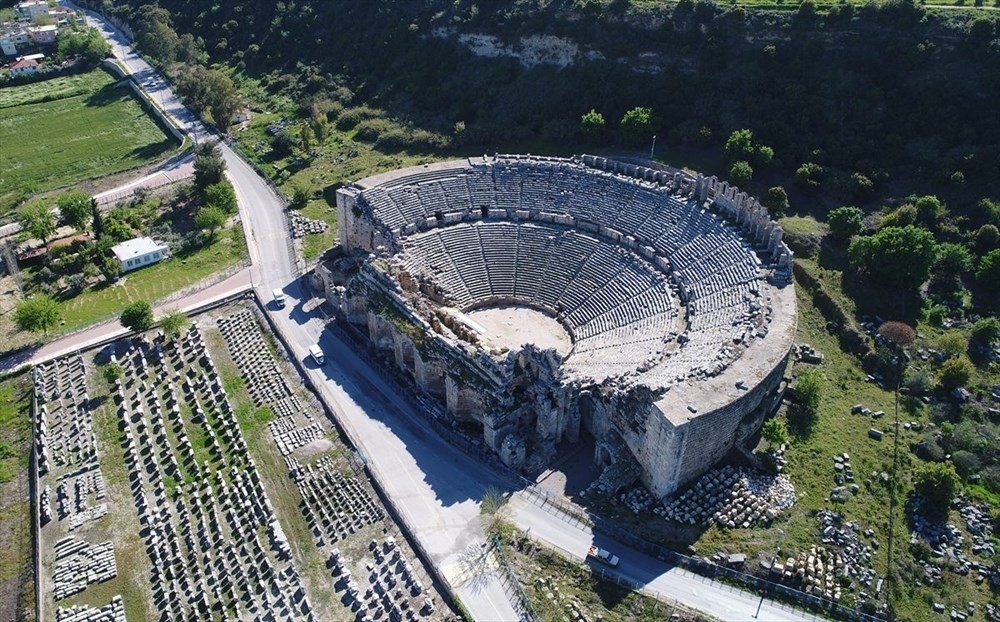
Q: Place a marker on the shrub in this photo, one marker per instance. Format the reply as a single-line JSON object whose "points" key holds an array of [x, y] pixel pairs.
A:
{"points": [[845, 222], [966, 463], [740, 173], [955, 373]]}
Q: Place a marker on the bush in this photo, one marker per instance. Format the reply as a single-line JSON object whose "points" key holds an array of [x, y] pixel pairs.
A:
{"points": [[348, 119], [936, 483], [777, 200], [845, 222], [740, 173], [955, 373], [966, 463]]}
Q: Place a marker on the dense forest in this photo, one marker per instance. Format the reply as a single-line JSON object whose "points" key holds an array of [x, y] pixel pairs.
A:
{"points": [[888, 91]]}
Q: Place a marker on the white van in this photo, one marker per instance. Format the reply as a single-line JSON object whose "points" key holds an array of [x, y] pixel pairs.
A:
{"points": [[279, 298], [317, 354]]}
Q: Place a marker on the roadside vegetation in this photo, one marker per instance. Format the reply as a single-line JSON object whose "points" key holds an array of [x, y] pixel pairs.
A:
{"points": [[17, 600]]}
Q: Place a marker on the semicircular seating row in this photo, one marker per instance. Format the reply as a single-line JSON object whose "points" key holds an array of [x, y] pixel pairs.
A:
{"points": [[619, 306]]}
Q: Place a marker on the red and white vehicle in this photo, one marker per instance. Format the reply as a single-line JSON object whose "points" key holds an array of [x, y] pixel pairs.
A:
{"points": [[602, 556]]}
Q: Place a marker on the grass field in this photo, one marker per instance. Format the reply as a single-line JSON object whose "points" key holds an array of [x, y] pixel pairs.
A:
{"points": [[61, 132]]}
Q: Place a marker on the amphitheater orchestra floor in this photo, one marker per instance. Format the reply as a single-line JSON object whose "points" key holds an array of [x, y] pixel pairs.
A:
{"points": [[514, 326]]}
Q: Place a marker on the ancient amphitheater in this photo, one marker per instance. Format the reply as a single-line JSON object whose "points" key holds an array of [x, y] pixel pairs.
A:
{"points": [[538, 297]]}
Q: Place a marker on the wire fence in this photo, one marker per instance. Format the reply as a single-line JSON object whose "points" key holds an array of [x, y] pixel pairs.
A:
{"points": [[510, 584], [720, 577]]}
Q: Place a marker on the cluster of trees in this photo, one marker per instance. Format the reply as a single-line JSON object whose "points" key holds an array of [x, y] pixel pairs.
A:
{"points": [[218, 195], [209, 92], [635, 127], [87, 44]]}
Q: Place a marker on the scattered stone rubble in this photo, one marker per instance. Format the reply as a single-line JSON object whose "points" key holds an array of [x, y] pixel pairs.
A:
{"points": [[301, 226], [852, 556], [731, 497]]}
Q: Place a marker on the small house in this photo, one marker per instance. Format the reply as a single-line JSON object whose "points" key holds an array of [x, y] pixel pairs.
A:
{"points": [[139, 252], [23, 67]]}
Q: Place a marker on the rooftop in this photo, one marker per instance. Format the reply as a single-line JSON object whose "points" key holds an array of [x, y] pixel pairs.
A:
{"points": [[136, 247]]}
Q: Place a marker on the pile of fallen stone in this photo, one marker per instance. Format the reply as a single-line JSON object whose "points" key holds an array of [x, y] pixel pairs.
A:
{"points": [[979, 523], [731, 497], [815, 572], [301, 225], [852, 554], [944, 539], [637, 500]]}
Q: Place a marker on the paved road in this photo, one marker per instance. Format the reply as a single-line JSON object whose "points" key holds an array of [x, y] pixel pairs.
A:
{"points": [[435, 487], [176, 168], [671, 582]]}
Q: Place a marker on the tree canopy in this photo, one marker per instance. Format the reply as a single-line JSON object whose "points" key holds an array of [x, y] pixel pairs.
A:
{"points": [[76, 209], [210, 218], [896, 256], [936, 482], [222, 196], [637, 124], [37, 220], [37, 314], [173, 323], [208, 164], [592, 124], [138, 316], [845, 222]]}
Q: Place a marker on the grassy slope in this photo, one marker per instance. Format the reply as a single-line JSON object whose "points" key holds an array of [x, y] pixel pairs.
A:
{"points": [[89, 129]]}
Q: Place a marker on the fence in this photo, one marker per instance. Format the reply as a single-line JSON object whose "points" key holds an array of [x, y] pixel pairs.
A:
{"points": [[510, 584], [696, 566]]}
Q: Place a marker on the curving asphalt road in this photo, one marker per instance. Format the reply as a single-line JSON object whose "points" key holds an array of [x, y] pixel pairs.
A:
{"points": [[435, 487]]}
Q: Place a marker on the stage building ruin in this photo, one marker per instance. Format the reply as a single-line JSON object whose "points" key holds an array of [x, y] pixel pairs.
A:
{"points": [[540, 297]]}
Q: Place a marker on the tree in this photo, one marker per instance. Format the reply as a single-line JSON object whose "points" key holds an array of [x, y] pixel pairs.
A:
{"points": [[138, 316], [740, 173], [740, 145], [300, 196], [173, 323], [774, 432], [637, 124], [592, 124], [845, 222], [155, 35], [114, 231], [810, 176], [37, 314], [898, 334], [222, 196], [955, 373], [936, 482], [987, 238], [208, 164], [210, 218], [988, 273], [37, 220], [305, 137], [986, 331], [777, 200], [861, 186], [895, 256], [112, 372], [808, 391], [930, 211], [952, 260], [76, 209]]}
